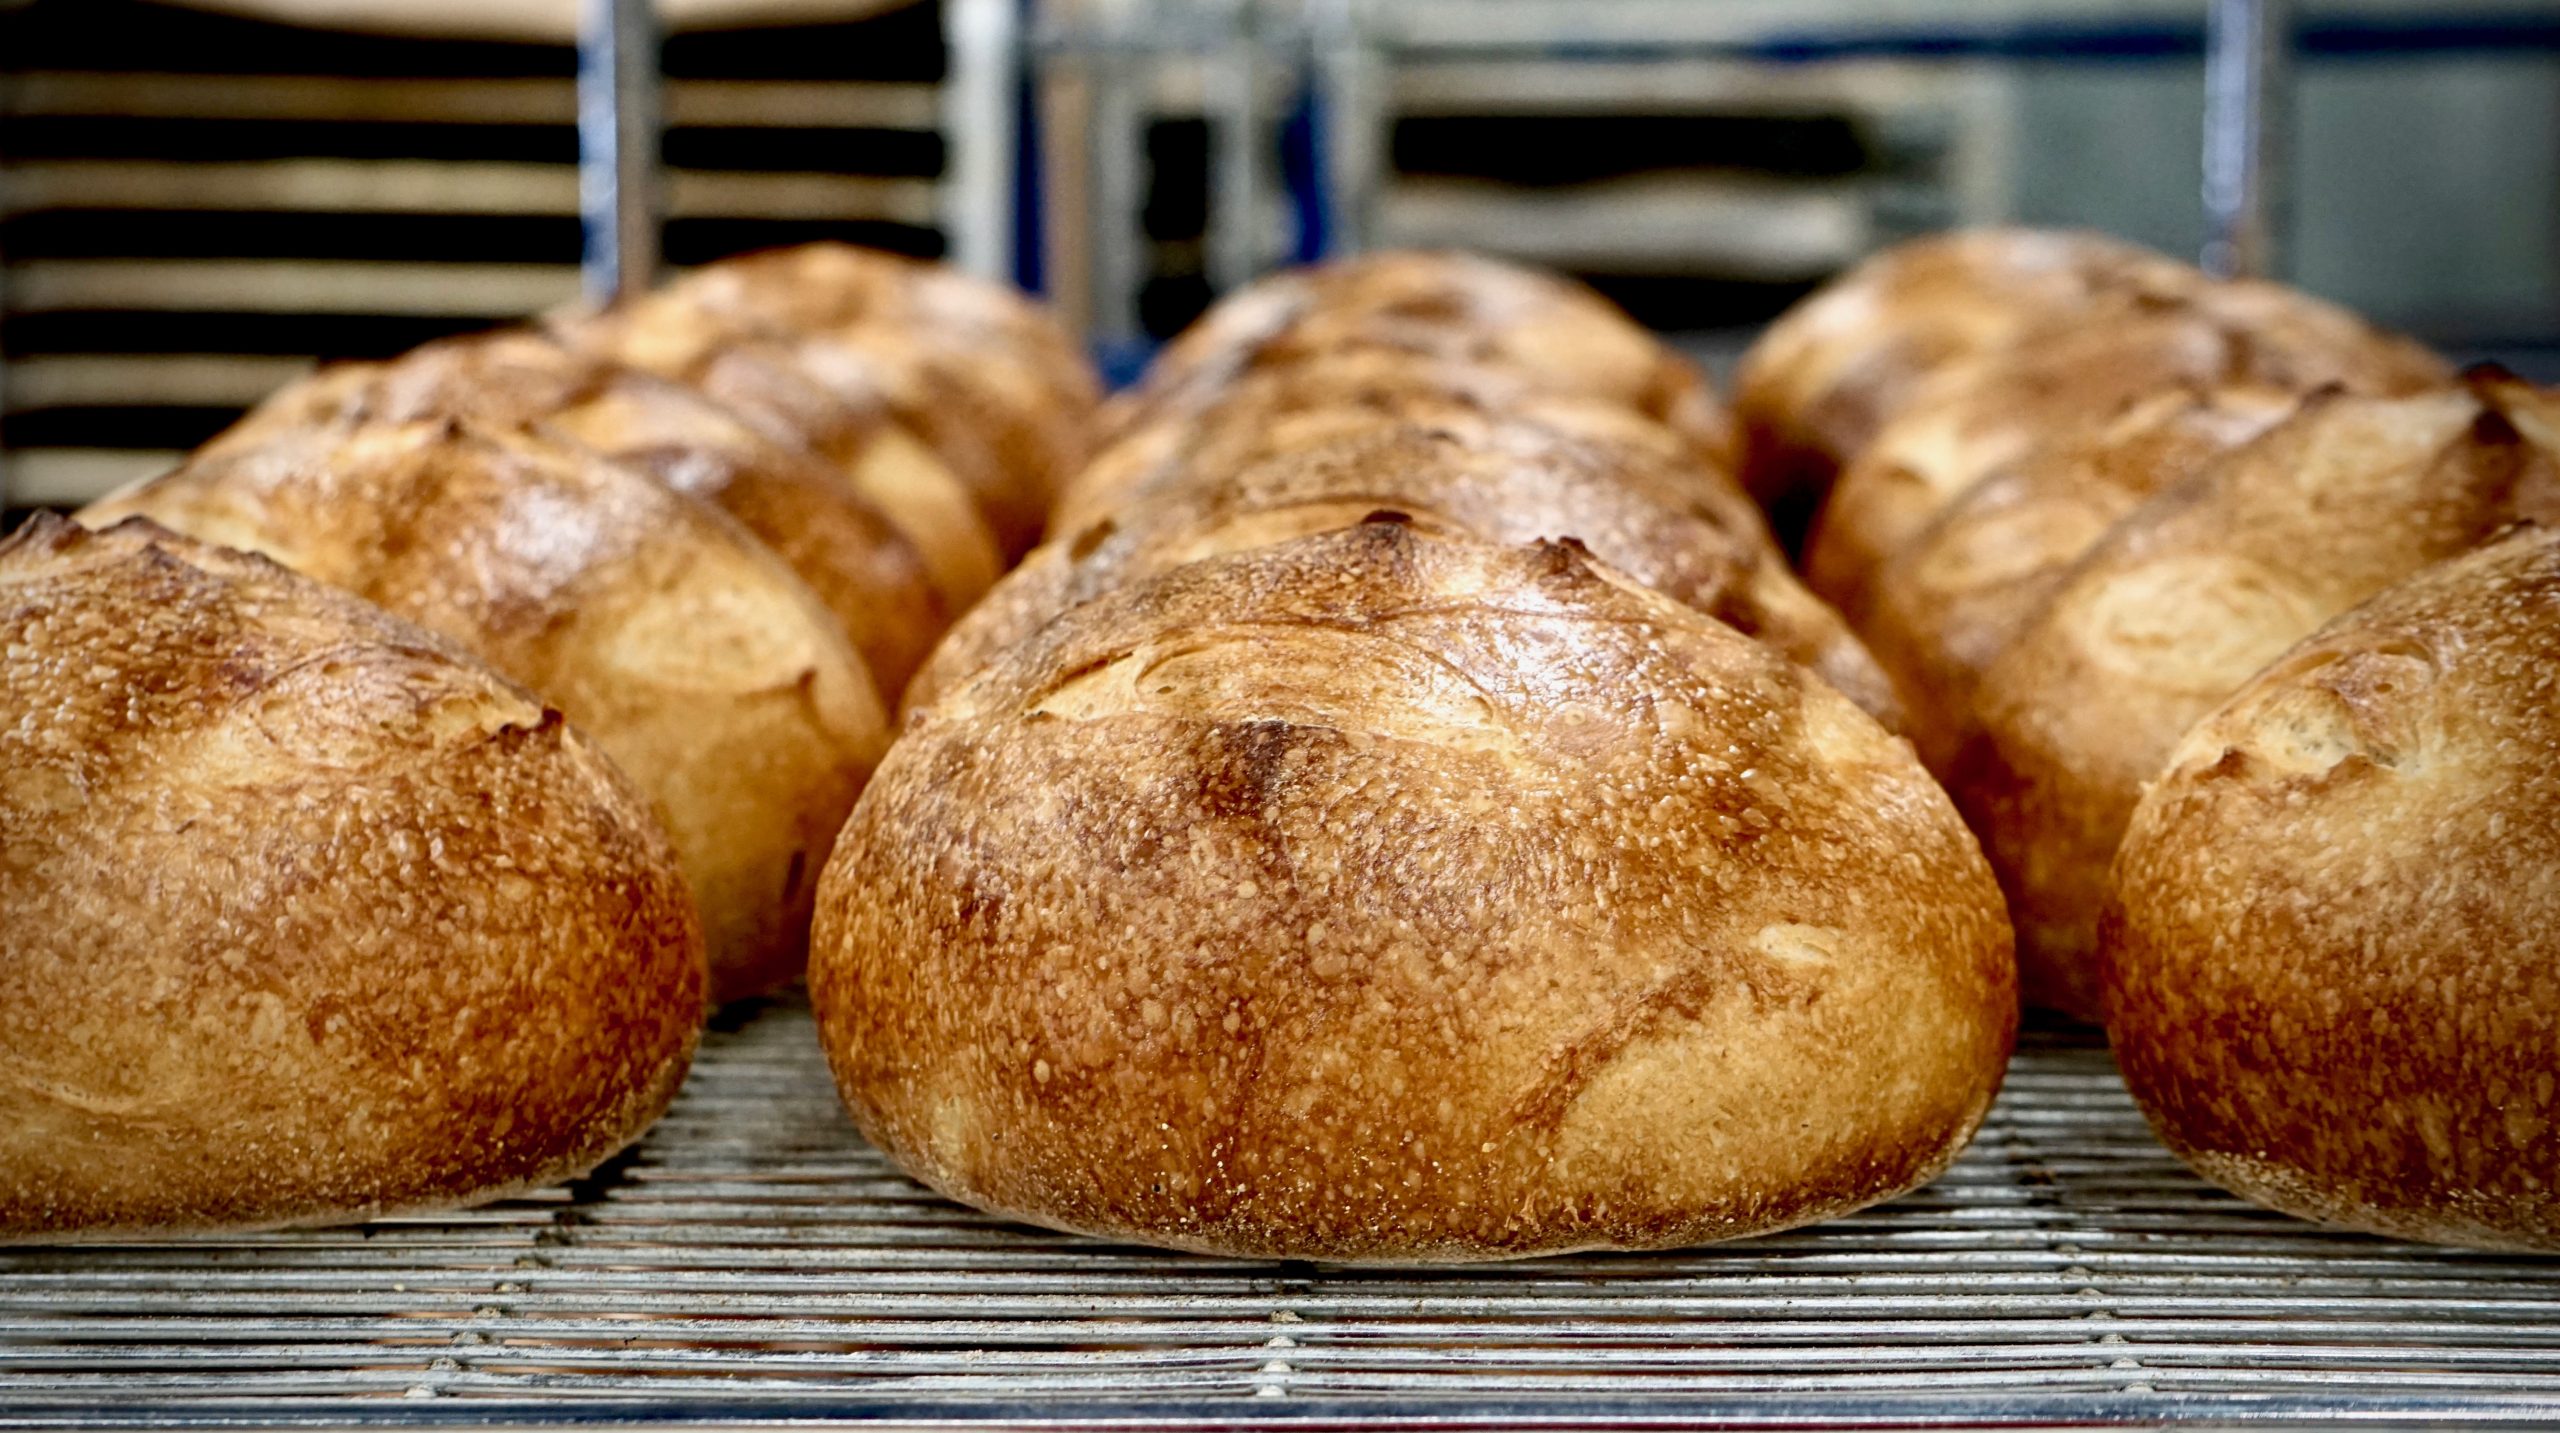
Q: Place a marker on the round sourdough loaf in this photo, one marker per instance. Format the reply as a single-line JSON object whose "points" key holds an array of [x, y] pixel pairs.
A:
{"points": [[1498, 480], [1948, 603], [993, 366], [1268, 412], [1825, 378], [683, 646], [1559, 335], [814, 397], [2188, 597], [1972, 419], [2332, 954], [1377, 896], [310, 916], [869, 574]]}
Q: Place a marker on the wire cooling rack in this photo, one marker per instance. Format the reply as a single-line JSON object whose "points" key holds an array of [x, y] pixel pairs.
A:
{"points": [[753, 1261]]}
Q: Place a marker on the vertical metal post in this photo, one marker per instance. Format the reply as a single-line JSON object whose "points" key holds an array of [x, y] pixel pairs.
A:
{"points": [[8, 460], [1120, 67], [1351, 123], [1234, 83], [2248, 102], [979, 117], [619, 127]]}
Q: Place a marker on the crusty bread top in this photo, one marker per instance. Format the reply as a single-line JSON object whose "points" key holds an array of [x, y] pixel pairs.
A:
{"points": [[2190, 595], [946, 486], [2445, 685], [1465, 307], [1822, 380], [1975, 417], [288, 883], [1265, 412], [1379, 895], [1953, 597], [869, 574], [692, 655], [823, 287], [1496, 480], [986, 379], [772, 386], [2333, 951], [515, 545]]}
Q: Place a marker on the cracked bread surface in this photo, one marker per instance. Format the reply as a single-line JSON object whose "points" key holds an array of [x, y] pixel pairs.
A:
{"points": [[311, 915], [1377, 895], [2331, 957]]}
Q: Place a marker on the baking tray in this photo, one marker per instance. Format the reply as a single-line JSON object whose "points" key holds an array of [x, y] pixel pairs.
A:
{"points": [[753, 1261]]}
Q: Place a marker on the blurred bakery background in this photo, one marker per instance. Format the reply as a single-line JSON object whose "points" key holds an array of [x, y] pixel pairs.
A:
{"points": [[197, 202]]}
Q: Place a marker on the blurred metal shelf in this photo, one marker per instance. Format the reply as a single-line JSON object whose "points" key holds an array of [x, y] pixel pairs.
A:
{"points": [[753, 1262]]}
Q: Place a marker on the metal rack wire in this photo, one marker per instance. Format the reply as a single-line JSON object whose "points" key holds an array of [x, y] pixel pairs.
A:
{"points": [[752, 1260]]}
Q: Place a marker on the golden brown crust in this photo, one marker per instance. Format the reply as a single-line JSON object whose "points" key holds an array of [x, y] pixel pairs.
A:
{"points": [[671, 636], [1494, 479], [2332, 960], [1029, 362], [1974, 418], [288, 883], [1823, 380], [814, 397], [1376, 896], [1267, 412], [859, 564], [2182, 602], [1949, 602], [1555, 334], [991, 385]]}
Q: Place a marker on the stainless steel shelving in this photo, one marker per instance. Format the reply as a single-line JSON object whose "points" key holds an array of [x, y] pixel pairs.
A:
{"points": [[753, 1261]]}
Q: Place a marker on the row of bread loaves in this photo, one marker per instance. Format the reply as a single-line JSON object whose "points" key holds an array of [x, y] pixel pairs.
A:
{"points": [[2084, 504], [1408, 812], [640, 587], [718, 526]]}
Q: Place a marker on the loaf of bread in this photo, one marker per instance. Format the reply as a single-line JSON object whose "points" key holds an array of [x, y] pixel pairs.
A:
{"points": [[1381, 896], [992, 366], [1558, 335], [1830, 373], [1950, 601], [983, 380], [310, 915], [1468, 475], [2188, 597], [665, 631], [1264, 413], [1974, 418], [815, 396], [2332, 955], [869, 574]]}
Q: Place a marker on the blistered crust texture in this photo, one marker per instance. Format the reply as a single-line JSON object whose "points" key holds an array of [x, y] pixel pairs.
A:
{"points": [[997, 392], [1503, 480], [1827, 376], [1972, 419], [869, 574], [311, 917], [1378, 896], [1557, 334], [2188, 597], [665, 631], [2332, 960]]}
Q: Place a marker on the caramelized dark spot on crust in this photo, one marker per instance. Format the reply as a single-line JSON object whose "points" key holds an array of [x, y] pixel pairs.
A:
{"points": [[2330, 950], [272, 961], [1376, 895]]}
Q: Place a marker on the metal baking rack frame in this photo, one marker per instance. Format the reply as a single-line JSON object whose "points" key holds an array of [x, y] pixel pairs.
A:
{"points": [[1101, 67], [753, 1261]]}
